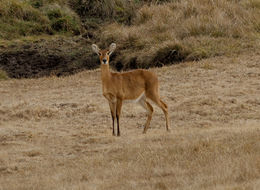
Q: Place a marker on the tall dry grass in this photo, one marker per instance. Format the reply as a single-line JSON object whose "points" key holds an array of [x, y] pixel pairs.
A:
{"points": [[99, 12], [189, 30]]}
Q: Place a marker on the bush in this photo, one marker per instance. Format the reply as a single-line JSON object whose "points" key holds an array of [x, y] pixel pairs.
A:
{"points": [[3, 75], [63, 19], [54, 14], [119, 10], [36, 3], [65, 24]]}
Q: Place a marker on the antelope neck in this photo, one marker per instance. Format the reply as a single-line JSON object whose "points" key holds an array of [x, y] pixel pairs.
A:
{"points": [[105, 72]]}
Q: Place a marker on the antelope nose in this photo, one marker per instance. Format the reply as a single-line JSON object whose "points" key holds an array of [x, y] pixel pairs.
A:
{"points": [[104, 61]]}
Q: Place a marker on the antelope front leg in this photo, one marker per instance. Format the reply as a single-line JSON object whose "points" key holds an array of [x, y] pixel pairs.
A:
{"points": [[113, 115], [118, 112], [112, 104]]}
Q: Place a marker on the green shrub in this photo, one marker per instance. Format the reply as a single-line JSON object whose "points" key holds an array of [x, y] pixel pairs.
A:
{"points": [[63, 19], [35, 17], [17, 28], [18, 18], [54, 14], [3, 75], [65, 24], [36, 3]]}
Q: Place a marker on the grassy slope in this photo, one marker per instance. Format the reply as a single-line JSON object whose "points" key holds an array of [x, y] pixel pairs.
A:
{"points": [[186, 30], [37, 27], [20, 18], [35, 32], [148, 35], [55, 133]]}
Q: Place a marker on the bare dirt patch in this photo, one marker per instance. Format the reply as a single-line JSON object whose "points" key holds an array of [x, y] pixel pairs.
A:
{"points": [[52, 56]]}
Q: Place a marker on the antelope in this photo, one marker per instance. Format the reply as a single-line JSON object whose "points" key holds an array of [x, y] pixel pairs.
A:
{"points": [[137, 85]]}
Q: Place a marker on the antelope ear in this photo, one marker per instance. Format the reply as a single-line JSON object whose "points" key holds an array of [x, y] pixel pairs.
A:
{"points": [[95, 48], [112, 48]]}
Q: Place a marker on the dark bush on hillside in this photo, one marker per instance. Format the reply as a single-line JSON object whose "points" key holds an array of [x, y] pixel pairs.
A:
{"points": [[36, 3], [3, 75], [54, 14], [173, 53], [157, 1], [65, 24], [120, 10], [63, 19]]}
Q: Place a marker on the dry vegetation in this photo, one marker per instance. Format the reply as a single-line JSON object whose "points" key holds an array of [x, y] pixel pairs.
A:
{"points": [[55, 132], [149, 32], [186, 30]]}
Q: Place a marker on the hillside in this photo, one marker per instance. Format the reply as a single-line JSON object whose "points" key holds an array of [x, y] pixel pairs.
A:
{"points": [[149, 33], [55, 133]]}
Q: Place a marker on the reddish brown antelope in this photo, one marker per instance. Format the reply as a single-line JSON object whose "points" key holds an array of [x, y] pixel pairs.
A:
{"points": [[135, 85]]}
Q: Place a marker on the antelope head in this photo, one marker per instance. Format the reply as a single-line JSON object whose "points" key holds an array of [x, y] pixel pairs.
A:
{"points": [[104, 54]]}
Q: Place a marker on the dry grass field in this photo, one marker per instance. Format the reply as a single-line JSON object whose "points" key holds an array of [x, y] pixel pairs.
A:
{"points": [[55, 133]]}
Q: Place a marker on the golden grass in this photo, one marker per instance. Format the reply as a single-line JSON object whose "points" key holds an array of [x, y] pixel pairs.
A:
{"points": [[195, 29], [55, 133]]}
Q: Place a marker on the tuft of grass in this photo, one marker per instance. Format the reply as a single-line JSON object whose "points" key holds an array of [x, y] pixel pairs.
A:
{"points": [[3, 75], [20, 10], [104, 10], [62, 19], [36, 3]]}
